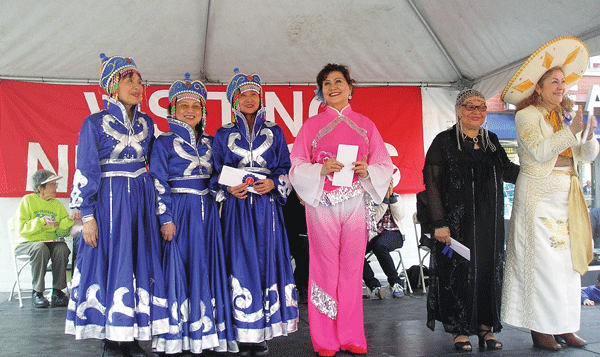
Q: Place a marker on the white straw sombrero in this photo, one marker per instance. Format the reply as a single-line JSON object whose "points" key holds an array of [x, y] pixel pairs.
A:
{"points": [[567, 52]]}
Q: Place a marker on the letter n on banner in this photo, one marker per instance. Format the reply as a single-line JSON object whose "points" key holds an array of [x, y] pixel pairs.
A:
{"points": [[35, 155]]}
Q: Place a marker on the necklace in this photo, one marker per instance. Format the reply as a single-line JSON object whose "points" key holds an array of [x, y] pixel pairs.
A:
{"points": [[466, 137], [474, 140]]}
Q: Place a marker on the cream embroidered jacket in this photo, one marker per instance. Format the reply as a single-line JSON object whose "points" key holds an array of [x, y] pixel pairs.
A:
{"points": [[539, 146]]}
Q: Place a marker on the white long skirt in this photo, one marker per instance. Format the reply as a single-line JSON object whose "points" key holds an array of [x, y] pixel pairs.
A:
{"points": [[541, 290]]}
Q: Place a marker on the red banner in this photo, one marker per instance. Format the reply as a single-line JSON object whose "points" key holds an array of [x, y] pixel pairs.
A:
{"points": [[39, 125]]}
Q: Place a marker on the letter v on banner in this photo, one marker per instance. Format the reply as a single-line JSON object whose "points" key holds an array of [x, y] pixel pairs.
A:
{"points": [[92, 102]]}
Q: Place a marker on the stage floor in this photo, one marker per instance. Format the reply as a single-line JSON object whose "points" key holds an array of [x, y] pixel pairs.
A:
{"points": [[394, 327]]}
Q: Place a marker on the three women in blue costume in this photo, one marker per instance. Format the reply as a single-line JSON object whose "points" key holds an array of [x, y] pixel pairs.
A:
{"points": [[263, 293], [118, 289], [181, 166]]}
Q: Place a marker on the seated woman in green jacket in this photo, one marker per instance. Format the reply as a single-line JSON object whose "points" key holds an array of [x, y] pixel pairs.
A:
{"points": [[43, 222]]}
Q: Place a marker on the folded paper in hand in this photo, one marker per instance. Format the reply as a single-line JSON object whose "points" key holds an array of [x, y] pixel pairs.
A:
{"points": [[231, 176], [346, 154], [460, 249]]}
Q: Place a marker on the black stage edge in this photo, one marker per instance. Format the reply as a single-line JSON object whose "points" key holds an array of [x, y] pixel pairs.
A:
{"points": [[394, 328]]}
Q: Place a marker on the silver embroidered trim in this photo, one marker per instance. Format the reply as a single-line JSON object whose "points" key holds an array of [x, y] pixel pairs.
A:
{"points": [[252, 155], [370, 213], [123, 173], [186, 126], [284, 185], [341, 194], [323, 302], [241, 299], [256, 169], [122, 161], [271, 309], [329, 128], [110, 189], [195, 160], [190, 177], [79, 181], [189, 190], [124, 140], [161, 208], [219, 196]]}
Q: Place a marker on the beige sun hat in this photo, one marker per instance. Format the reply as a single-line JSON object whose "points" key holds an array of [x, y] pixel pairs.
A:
{"points": [[567, 52]]}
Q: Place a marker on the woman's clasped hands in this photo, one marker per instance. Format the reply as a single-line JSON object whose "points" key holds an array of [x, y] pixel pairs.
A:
{"points": [[332, 165]]}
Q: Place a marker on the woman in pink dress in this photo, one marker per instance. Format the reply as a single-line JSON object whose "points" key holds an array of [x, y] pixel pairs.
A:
{"points": [[338, 217]]}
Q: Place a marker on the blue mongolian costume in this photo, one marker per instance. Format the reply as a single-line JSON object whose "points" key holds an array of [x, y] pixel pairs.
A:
{"points": [[118, 288], [194, 260], [261, 280]]}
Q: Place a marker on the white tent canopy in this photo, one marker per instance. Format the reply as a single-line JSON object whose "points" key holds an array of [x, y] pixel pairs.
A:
{"points": [[408, 42], [428, 43]]}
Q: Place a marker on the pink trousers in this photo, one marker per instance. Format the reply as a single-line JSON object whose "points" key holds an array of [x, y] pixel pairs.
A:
{"points": [[337, 237]]}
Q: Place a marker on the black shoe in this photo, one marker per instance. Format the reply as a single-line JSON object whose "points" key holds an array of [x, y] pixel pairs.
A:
{"points": [[59, 299], [39, 300], [260, 349], [462, 346], [133, 349], [112, 349], [492, 342], [245, 349]]}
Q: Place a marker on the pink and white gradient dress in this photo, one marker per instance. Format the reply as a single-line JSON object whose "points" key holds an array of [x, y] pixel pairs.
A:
{"points": [[338, 220]]}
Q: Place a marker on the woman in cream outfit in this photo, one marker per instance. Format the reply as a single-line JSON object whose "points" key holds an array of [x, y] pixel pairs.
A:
{"points": [[549, 240]]}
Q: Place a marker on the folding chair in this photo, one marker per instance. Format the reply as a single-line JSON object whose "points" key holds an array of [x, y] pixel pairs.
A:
{"points": [[419, 248], [22, 259], [400, 264]]}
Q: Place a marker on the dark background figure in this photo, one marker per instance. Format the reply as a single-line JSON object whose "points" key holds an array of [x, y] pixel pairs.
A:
{"points": [[587, 188], [294, 216], [591, 294], [595, 222], [389, 238]]}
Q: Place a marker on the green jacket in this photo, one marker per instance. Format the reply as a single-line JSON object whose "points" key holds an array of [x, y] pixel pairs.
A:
{"points": [[31, 224]]}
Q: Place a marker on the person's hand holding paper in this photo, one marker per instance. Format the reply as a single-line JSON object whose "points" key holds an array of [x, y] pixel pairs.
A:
{"points": [[360, 167], [346, 155], [239, 181]]}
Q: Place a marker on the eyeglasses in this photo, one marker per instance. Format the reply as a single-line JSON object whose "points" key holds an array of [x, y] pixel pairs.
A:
{"points": [[472, 108]]}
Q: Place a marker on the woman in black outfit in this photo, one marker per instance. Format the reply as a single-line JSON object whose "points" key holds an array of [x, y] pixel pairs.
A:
{"points": [[464, 172]]}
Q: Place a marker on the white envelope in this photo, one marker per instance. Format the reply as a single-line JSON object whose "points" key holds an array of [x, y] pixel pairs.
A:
{"points": [[231, 176], [460, 249], [346, 154]]}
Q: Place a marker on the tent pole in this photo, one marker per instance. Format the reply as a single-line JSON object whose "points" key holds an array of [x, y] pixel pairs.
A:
{"points": [[84, 81], [437, 41], [205, 46]]}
